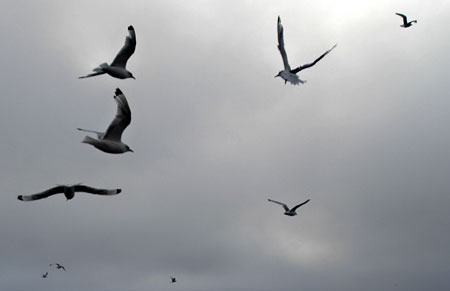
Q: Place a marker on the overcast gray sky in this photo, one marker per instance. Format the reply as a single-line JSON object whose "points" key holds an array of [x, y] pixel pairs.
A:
{"points": [[215, 135]]}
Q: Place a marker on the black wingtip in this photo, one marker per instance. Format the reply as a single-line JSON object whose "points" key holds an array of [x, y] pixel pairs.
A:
{"points": [[119, 190], [131, 27], [118, 91], [20, 197]]}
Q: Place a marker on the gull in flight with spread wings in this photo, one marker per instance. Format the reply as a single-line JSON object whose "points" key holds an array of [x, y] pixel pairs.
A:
{"points": [[405, 21], [58, 266], [117, 68], [69, 192], [289, 212], [110, 141], [287, 74], [45, 275]]}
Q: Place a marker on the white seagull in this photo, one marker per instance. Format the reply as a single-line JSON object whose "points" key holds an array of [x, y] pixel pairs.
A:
{"points": [[117, 68], [289, 212], [405, 21], [287, 74], [110, 141], [69, 192]]}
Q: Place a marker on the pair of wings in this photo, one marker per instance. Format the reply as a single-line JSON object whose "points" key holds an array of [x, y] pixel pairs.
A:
{"points": [[405, 19], [284, 55], [120, 121], [127, 50], [286, 207], [60, 189]]}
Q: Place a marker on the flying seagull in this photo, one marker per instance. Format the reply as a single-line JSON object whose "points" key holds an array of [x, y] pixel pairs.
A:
{"points": [[69, 192], [109, 141], [289, 212], [405, 21], [173, 279], [287, 74], [58, 266], [45, 275], [117, 68]]}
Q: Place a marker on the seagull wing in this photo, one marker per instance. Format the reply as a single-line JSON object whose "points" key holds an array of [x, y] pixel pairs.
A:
{"points": [[282, 204], [297, 206], [127, 50], [87, 189], [122, 119], [295, 71], [45, 194], [405, 19], [98, 133], [281, 45]]}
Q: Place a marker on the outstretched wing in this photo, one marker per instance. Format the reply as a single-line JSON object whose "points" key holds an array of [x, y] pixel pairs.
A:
{"points": [[295, 71], [281, 45], [297, 206], [282, 204], [87, 189], [127, 50], [122, 119], [405, 19], [45, 194], [98, 133]]}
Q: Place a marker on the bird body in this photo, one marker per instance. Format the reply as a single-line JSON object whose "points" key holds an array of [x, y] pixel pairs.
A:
{"points": [[110, 141], [69, 193], [292, 211], [289, 75], [406, 23], [117, 68]]}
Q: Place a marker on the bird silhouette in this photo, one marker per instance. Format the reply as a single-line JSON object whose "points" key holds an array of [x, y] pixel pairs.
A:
{"points": [[287, 74], [405, 21], [110, 141], [117, 68], [68, 191], [58, 266], [289, 212], [173, 279]]}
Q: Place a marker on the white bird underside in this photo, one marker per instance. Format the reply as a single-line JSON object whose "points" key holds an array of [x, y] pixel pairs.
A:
{"points": [[110, 141]]}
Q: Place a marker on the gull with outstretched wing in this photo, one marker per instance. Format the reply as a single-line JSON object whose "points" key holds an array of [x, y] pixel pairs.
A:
{"points": [[287, 74], [117, 68], [110, 141], [289, 212], [69, 193]]}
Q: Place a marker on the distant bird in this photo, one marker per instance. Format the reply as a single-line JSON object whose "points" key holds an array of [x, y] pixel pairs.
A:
{"points": [[45, 275], [69, 192], [58, 266], [405, 21], [110, 141], [173, 279], [289, 212], [117, 68], [287, 74]]}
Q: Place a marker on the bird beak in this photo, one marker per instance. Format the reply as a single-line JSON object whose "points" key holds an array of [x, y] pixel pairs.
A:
{"points": [[131, 151], [133, 77], [277, 75]]}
